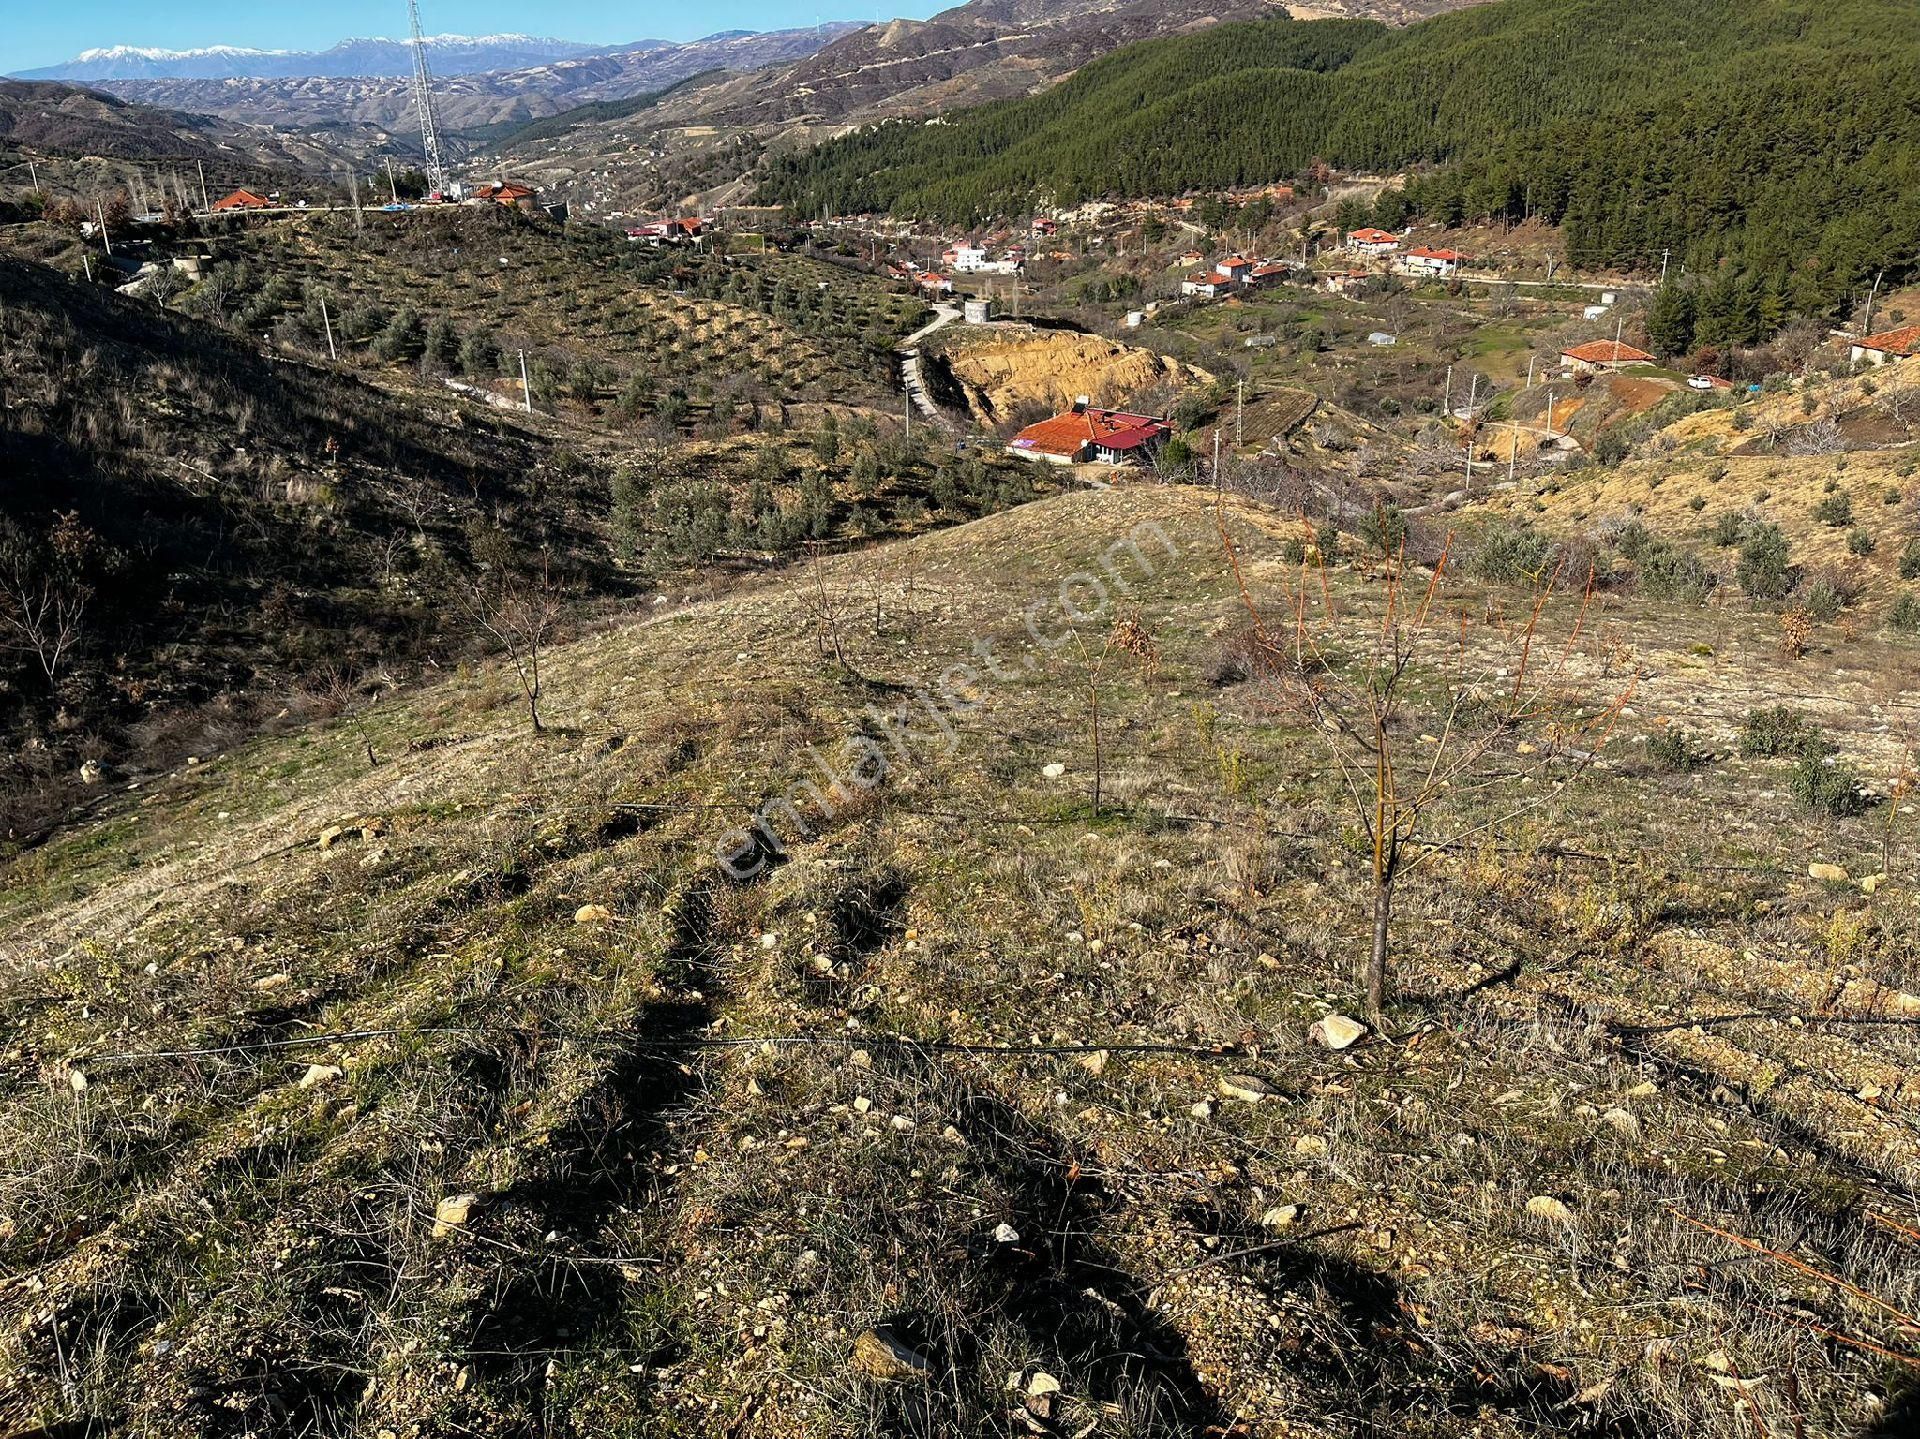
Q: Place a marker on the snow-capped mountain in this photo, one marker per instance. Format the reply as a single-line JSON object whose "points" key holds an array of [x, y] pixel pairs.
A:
{"points": [[370, 56]]}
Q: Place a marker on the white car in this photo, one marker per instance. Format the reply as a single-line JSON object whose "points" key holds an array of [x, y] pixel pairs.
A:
{"points": [[1699, 382]]}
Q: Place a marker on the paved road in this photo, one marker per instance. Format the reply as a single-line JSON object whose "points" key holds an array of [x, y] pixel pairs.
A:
{"points": [[909, 352]]}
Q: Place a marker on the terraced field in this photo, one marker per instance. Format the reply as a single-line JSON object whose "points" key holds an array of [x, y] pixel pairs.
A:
{"points": [[610, 329]]}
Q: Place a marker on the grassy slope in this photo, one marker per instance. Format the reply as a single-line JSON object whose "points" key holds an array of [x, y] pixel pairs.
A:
{"points": [[1691, 474], [680, 1240]]}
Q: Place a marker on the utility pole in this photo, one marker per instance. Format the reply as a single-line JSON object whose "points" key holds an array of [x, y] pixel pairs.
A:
{"points": [[526, 389], [392, 183], [1866, 325], [1550, 414], [1473, 395], [1216, 460], [1240, 415], [205, 203], [327, 320], [1513, 451], [1531, 360], [1664, 256], [1446, 402], [86, 263], [34, 170], [100, 211], [353, 184]]}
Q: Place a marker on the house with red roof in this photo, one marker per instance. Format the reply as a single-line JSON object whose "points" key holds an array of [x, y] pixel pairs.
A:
{"points": [[241, 200], [1598, 357], [1087, 434], [1206, 284], [1887, 345], [510, 193], [935, 283], [1370, 241], [1438, 264]]}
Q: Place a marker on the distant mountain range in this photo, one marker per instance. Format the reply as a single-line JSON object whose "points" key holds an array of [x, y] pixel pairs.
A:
{"points": [[477, 102], [377, 56]]}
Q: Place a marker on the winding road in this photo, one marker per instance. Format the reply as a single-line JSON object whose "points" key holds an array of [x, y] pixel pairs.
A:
{"points": [[909, 352]]}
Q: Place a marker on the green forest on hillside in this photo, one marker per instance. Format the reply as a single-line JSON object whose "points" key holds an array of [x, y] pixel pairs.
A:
{"points": [[1778, 140]]}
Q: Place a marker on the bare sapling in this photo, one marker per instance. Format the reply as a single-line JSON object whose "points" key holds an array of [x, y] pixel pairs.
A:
{"points": [[518, 608], [1435, 746], [1128, 638]]}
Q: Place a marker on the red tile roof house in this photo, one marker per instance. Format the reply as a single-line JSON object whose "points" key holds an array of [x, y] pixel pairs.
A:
{"points": [[241, 200], [507, 192], [1372, 242], [937, 283], [1088, 435], [1191, 257], [1206, 284], [1422, 261], [1603, 356], [1885, 346]]}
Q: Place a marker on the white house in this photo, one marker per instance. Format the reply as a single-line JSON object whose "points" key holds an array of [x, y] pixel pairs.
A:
{"points": [[1887, 345], [1371, 241], [1437, 264]]}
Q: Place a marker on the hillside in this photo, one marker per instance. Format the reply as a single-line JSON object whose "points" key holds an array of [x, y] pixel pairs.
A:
{"points": [[980, 51], [66, 120], [1744, 132], [466, 1093], [229, 526], [228, 530], [474, 101]]}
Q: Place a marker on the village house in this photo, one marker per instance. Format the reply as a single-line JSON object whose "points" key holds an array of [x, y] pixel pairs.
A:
{"points": [[1347, 282], [1372, 242], [972, 260], [1269, 272], [241, 200], [1089, 435], [1887, 345], [935, 283], [1431, 263], [510, 193], [1044, 228], [667, 232], [1601, 357], [1191, 257], [1206, 284]]}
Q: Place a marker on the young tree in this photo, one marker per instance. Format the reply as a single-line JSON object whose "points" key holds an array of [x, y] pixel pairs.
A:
{"points": [[1128, 638], [44, 594], [517, 606], [1409, 764]]}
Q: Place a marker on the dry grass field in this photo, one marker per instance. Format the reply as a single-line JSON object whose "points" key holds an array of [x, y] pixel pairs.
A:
{"points": [[464, 1091]]}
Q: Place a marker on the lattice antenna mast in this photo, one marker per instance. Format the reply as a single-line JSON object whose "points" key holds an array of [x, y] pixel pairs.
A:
{"points": [[423, 103]]}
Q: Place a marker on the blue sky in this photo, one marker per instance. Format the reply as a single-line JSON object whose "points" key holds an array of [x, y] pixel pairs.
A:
{"points": [[46, 32]]}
